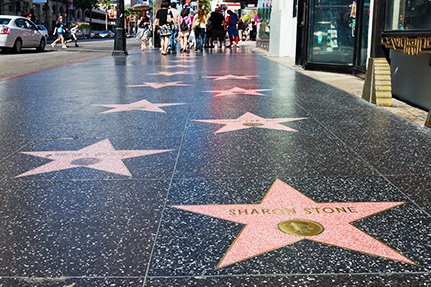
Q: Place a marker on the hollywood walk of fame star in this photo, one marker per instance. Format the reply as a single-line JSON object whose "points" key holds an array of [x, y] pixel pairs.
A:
{"points": [[142, 105], [168, 74], [249, 120], [158, 85], [286, 216], [238, 91], [230, 77], [100, 156]]}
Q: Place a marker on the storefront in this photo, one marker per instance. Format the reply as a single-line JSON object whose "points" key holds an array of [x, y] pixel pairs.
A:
{"points": [[264, 19], [333, 34], [407, 38]]}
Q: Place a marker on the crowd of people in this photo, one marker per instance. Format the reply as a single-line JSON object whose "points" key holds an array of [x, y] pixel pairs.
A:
{"points": [[60, 32], [194, 31]]}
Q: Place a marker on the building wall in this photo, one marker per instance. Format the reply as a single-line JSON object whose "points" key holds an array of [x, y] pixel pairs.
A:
{"points": [[411, 78], [283, 29]]}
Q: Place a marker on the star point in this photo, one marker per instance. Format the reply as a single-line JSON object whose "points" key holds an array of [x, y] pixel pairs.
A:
{"points": [[239, 91], [168, 74], [99, 156], [142, 105], [286, 216], [249, 120], [158, 85]]}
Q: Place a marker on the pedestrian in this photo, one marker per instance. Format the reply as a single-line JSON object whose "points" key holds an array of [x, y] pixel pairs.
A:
{"points": [[200, 24], [73, 31], [185, 23], [241, 29], [174, 36], [232, 27], [144, 30], [163, 21], [59, 31], [217, 26]]}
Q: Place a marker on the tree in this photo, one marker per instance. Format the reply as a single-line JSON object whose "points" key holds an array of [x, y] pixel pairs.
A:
{"points": [[206, 4], [105, 5]]}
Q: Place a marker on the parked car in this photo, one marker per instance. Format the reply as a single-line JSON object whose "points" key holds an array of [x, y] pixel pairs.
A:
{"points": [[43, 30], [106, 34], [17, 32]]}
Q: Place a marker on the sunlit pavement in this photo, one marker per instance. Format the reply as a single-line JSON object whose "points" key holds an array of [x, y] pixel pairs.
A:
{"points": [[213, 169]]}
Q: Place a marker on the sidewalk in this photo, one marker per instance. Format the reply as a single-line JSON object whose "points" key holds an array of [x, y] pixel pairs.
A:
{"points": [[352, 85], [206, 170]]}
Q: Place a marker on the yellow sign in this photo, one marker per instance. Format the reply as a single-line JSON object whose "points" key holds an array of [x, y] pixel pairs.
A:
{"points": [[408, 45]]}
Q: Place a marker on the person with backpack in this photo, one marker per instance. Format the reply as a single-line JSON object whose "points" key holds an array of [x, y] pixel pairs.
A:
{"points": [[184, 28]]}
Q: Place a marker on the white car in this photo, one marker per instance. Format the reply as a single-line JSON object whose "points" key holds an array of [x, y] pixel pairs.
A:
{"points": [[17, 32]]}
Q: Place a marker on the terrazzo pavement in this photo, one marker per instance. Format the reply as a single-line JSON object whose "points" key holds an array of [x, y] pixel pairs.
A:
{"points": [[93, 224]]}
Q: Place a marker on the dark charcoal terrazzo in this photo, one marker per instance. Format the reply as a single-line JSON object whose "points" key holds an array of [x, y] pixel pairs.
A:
{"points": [[191, 244], [90, 228], [70, 282], [382, 280], [83, 227]]}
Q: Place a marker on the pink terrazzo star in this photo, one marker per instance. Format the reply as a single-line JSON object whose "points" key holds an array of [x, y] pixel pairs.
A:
{"points": [[100, 156], [282, 207], [230, 77], [239, 91], [142, 105], [249, 120], [168, 74], [158, 85]]}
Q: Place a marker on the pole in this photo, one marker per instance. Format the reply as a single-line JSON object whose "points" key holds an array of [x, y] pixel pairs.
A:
{"points": [[120, 35]]}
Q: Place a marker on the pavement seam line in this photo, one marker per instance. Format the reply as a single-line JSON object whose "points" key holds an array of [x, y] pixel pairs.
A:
{"points": [[365, 161], [167, 197]]}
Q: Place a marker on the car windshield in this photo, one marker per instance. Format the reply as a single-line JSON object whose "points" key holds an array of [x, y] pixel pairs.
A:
{"points": [[4, 21]]}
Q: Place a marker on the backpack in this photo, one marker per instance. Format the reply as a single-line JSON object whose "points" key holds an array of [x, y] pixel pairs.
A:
{"points": [[183, 26]]}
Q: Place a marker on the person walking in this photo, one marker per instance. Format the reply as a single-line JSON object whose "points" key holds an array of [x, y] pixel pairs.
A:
{"points": [[164, 20], [73, 31], [59, 31], [241, 28], [144, 30], [174, 36], [232, 27], [217, 26], [200, 24], [185, 23]]}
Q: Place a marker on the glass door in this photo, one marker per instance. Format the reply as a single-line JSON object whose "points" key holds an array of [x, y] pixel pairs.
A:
{"points": [[362, 32]]}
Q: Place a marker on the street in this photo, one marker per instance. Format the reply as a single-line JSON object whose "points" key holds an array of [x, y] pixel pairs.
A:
{"points": [[31, 61]]}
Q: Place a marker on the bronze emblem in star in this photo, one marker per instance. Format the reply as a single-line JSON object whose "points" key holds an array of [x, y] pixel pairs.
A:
{"points": [[249, 120], [100, 156], [285, 216], [158, 85], [238, 91], [142, 105]]}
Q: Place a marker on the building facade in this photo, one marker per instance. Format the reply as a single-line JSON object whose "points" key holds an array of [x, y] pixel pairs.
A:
{"points": [[341, 35]]}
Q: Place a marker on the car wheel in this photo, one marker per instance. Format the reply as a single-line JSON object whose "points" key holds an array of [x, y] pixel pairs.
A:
{"points": [[17, 47], [42, 45]]}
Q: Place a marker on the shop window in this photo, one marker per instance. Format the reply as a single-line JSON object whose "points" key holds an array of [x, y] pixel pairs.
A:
{"points": [[408, 15], [332, 31]]}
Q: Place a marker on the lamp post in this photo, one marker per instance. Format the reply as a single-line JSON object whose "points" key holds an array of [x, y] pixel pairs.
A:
{"points": [[120, 35]]}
